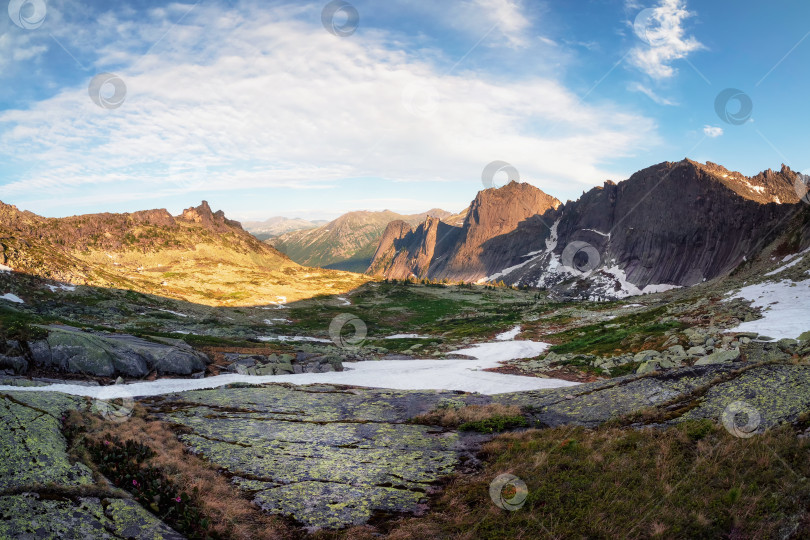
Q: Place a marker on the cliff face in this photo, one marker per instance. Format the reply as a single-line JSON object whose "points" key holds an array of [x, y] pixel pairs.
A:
{"points": [[673, 224], [435, 249]]}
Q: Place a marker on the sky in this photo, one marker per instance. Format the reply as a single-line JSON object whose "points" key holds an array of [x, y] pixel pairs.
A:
{"points": [[313, 109]]}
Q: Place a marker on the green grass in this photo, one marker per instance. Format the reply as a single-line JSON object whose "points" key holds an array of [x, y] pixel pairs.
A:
{"points": [[693, 480], [496, 424], [600, 340]]}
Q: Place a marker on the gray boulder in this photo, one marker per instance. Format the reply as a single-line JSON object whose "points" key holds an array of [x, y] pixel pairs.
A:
{"points": [[109, 355], [719, 357], [16, 364]]}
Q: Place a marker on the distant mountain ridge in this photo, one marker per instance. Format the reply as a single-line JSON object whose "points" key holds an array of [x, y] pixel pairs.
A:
{"points": [[673, 224], [276, 226], [346, 243]]}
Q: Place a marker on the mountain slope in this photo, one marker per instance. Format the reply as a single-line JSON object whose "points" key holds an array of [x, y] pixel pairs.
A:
{"points": [[435, 249], [347, 243], [199, 256], [670, 225]]}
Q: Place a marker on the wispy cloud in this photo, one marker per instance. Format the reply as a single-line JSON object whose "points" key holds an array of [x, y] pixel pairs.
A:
{"points": [[264, 98], [638, 87], [664, 38], [712, 131]]}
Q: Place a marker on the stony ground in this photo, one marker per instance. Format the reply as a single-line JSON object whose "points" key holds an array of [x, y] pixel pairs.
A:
{"points": [[334, 457]]}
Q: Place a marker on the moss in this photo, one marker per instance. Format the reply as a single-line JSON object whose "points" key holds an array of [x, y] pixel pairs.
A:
{"points": [[496, 424]]}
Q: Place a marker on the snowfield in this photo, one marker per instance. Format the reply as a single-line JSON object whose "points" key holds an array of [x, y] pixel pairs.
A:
{"points": [[464, 375], [785, 308]]}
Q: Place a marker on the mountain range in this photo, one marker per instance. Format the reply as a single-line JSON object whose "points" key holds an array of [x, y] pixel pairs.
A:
{"points": [[671, 225], [674, 224], [347, 243], [276, 226]]}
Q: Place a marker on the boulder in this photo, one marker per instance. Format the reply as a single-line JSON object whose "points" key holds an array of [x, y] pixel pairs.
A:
{"points": [[789, 346], [645, 356], [677, 350], [16, 364], [110, 355], [719, 357], [696, 351]]}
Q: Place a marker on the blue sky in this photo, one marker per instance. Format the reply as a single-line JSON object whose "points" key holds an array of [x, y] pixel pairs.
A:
{"points": [[257, 107]]}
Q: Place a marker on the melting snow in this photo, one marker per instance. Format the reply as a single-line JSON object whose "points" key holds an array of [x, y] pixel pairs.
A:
{"points": [[294, 338], [273, 321], [790, 265], [12, 298], [607, 235], [460, 375], [4, 268], [173, 312], [509, 335], [345, 302], [407, 336], [61, 287], [785, 308]]}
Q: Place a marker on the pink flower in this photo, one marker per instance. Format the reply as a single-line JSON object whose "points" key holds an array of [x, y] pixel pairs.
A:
{"points": [[106, 443], [177, 499], [135, 483]]}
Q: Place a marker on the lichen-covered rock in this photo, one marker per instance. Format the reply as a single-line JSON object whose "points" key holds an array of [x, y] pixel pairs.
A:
{"points": [[325, 456], [32, 449], [30, 516], [719, 357]]}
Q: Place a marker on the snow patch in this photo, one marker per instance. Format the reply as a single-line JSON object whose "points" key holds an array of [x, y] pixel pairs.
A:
{"points": [[344, 301], [789, 265], [785, 308], [407, 336], [294, 338], [4, 268], [172, 312], [61, 287], [274, 321], [606, 235], [12, 298], [457, 375], [509, 335]]}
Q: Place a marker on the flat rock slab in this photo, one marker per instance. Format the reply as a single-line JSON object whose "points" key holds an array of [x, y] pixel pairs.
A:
{"points": [[778, 393], [773, 393], [32, 448], [34, 459], [328, 457], [27, 516]]}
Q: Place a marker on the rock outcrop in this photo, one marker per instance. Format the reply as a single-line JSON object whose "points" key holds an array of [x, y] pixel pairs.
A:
{"points": [[99, 354], [438, 250]]}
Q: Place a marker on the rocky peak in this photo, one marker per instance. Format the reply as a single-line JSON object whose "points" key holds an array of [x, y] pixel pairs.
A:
{"points": [[211, 220]]}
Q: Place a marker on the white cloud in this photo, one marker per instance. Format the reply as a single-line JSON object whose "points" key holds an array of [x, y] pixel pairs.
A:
{"points": [[712, 131], [508, 17], [638, 87], [664, 39], [261, 99]]}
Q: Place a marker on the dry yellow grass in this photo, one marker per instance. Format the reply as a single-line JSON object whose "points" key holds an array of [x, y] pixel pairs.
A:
{"points": [[451, 417], [232, 515]]}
